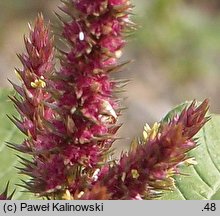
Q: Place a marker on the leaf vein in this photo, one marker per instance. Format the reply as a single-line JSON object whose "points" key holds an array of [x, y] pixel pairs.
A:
{"points": [[181, 192], [208, 150], [202, 178]]}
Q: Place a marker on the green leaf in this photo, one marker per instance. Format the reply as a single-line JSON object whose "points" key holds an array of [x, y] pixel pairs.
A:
{"points": [[8, 159], [201, 181], [176, 110]]}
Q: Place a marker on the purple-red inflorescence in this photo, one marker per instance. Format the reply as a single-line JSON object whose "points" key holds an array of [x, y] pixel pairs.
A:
{"points": [[37, 68], [69, 112], [88, 111], [70, 116], [151, 165], [33, 95]]}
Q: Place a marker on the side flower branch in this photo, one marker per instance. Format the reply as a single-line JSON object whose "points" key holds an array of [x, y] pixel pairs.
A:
{"points": [[152, 162]]}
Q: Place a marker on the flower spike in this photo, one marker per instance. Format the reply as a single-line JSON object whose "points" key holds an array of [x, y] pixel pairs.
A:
{"points": [[70, 115], [149, 167]]}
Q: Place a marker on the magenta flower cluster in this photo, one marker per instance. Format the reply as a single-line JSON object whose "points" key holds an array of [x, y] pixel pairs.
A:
{"points": [[148, 168], [69, 115], [69, 111]]}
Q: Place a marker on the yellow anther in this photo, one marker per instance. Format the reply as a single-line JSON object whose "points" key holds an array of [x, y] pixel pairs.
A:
{"points": [[108, 109], [170, 173], [151, 133], [80, 194], [134, 145], [118, 54], [123, 176], [134, 173], [154, 130], [39, 83], [18, 75], [67, 195], [190, 161], [146, 131]]}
